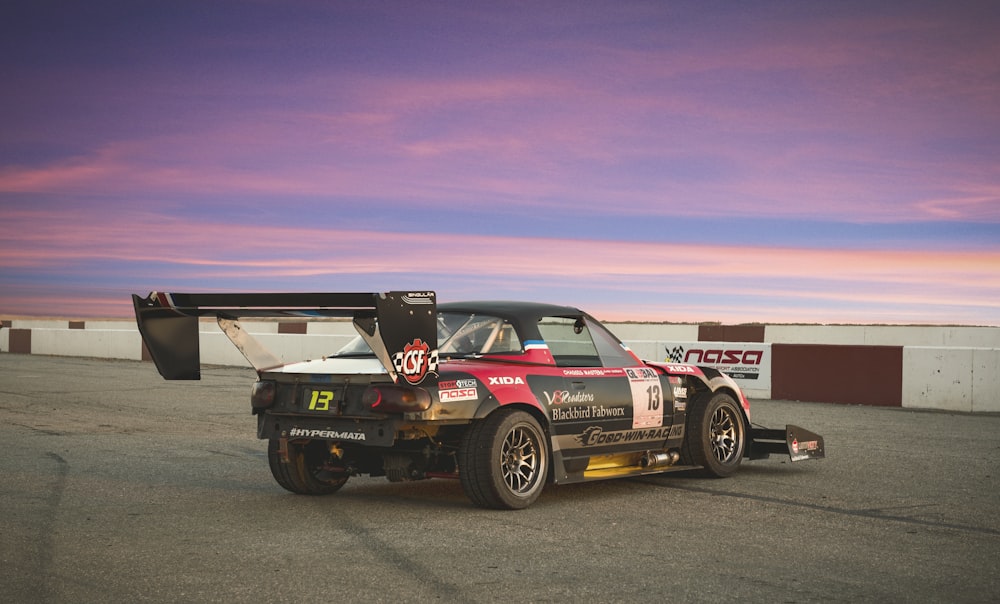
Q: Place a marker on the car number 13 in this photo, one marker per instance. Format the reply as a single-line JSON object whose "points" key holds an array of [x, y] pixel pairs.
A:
{"points": [[320, 400], [647, 398]]}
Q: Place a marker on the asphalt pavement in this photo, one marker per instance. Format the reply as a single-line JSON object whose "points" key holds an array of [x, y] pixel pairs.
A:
{"points": [[117, 486]]}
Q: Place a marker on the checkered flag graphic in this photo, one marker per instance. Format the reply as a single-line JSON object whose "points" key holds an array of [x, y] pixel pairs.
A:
{"points": [[675, 354]]}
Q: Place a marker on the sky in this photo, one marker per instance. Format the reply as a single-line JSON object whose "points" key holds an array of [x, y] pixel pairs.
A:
{"points": [[734, 162]]}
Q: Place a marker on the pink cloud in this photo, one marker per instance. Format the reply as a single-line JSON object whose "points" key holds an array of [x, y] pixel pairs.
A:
{"points": [[427, 170], [548, 134], [36, 238], [228, 252]]}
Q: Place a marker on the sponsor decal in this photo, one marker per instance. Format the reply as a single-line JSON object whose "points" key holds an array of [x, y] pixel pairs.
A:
{"points": [[724, 357], [506, 380], [683, 369], [641, 373], [332, 434], [451, 384], [415, 361], [571, 413], [419, 297], [739, 363], [680, 392], [562, 397], [806, 445], [458, 394], [595, 435], [601, 411], [592, 372], [647, 397], [598, 412]]}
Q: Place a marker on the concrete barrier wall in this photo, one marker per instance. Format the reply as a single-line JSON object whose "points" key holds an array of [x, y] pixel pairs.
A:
{"points": [[953, 379], [885, 335], [101, 343], [121, 340], [947, 368], [628, 332], [216, 349], [985, 380]]}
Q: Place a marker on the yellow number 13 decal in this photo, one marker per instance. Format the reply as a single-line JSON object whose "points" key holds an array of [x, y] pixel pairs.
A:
{"points": [[321, 400]]}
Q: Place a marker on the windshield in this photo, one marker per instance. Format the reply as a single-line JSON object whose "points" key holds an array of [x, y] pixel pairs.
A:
{"points": [[460, 334]]}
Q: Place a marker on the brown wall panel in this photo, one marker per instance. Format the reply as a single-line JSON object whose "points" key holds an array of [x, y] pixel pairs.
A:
{"points": [[20, 341], [77, 324], [298, 327], [855, 375], [730, 333]]}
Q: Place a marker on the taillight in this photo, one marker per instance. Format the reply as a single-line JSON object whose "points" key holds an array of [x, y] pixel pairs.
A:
{"points": [[389, 398], [262, 394]]}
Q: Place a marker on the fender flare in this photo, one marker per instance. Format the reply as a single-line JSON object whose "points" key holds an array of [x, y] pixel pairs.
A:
{"points": [[486, 406], [490, 404]]}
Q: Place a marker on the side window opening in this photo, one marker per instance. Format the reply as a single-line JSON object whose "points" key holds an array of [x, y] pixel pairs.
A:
{"points": [[569, 341], [575, 342], [505, 340], [610, 348], [475, 335], [460, 334]]}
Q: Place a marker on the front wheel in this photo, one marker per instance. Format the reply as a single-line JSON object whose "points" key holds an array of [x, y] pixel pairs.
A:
{"points": [[306, 470], [504, 460], [716, 436]]}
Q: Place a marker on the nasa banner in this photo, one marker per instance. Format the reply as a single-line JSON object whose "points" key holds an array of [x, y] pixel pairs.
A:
{"points": [[749, 363]]}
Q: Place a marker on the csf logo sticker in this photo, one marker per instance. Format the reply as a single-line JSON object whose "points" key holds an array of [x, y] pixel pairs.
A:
{"points": [[415, 361]]}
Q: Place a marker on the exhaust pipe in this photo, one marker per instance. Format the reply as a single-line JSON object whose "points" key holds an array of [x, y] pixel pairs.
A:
{"points": [[653, 459]]}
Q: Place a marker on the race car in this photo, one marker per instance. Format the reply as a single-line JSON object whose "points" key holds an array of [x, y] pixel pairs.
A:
{"points": [[506, 397]]}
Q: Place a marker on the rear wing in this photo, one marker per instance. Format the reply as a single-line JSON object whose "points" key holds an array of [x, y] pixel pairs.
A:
{"points": [[399, 327]]}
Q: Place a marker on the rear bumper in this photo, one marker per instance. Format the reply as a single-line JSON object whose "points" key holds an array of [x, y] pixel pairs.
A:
{"points": [[372, 433]]}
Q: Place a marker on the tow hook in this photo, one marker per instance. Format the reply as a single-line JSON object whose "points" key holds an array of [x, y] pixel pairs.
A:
{"points": [[283, 450]]}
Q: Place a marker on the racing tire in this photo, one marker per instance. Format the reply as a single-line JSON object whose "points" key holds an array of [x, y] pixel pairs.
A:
{"points": [[304, 472], [503, 461], [716, 436]]}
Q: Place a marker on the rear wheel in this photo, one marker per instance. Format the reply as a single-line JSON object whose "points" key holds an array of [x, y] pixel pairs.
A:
{"points": [[504, 460], [716, 436], [305, 472]]}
